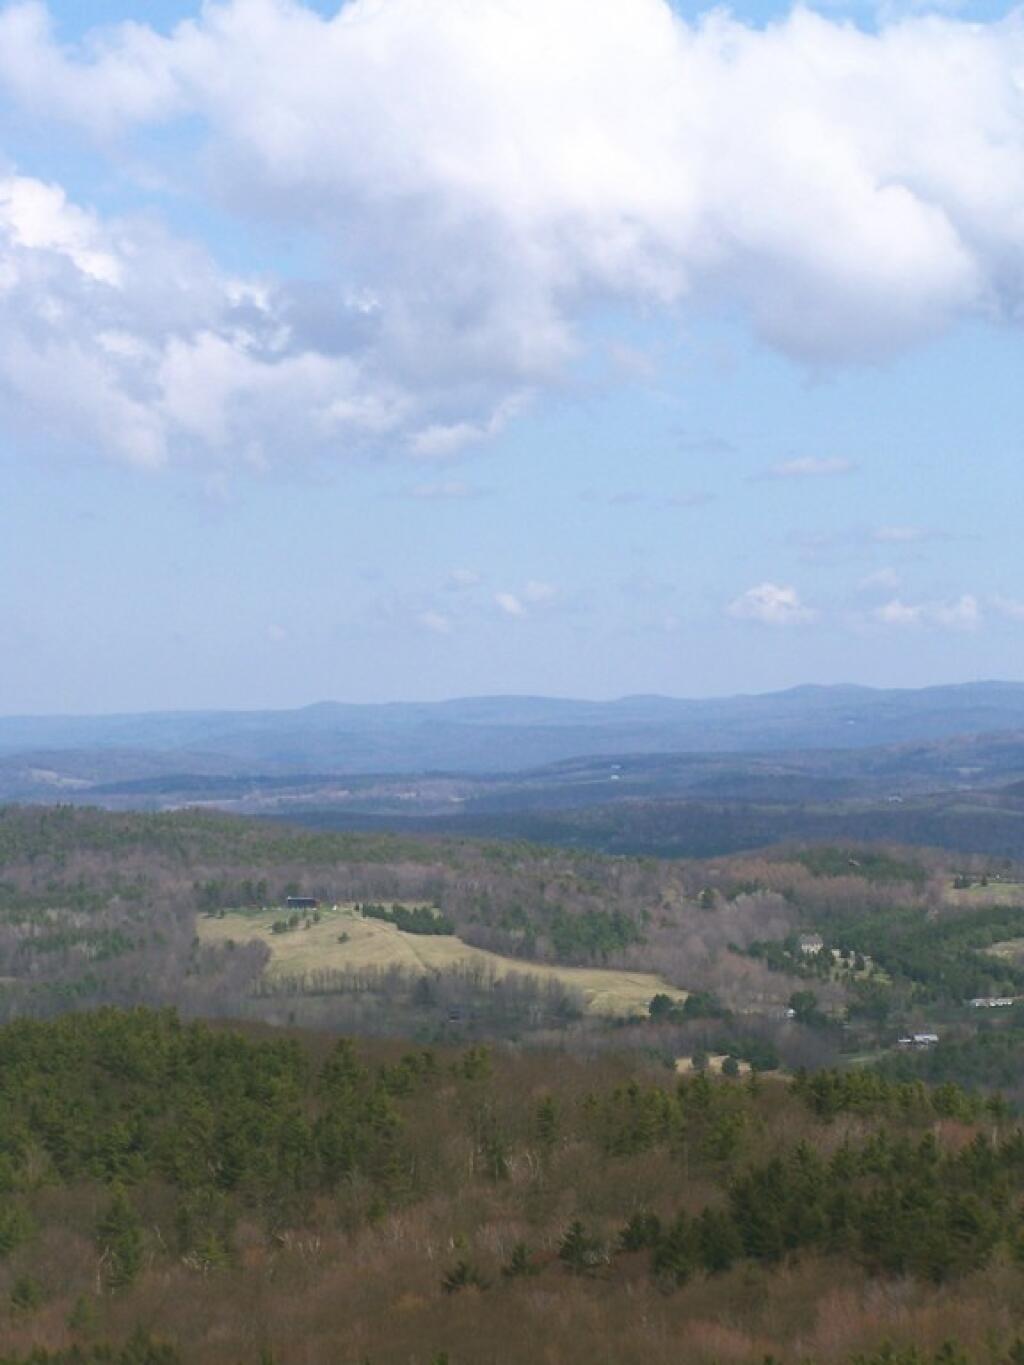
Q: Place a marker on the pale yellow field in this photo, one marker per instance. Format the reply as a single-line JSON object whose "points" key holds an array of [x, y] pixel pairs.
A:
{"points": [[1010, 950], [996, 893], [374, 944], [685, 1067]]}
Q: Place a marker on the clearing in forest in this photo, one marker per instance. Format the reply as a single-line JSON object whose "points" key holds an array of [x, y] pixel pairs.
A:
{"points": [[685, 1066], [1010, 950], [343, 940], [993, 892]]}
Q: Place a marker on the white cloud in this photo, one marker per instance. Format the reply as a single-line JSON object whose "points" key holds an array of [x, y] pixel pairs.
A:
{"points": [[881, 580], [447, 440], [809, 467], [897, 613], [901, 535], [538, 592], [1010, 607], [534, 594], [773, 605], [509, 603], [461, 579], [852, 192], [962, 613], [435, 621], [118, 338], [39, 217]]}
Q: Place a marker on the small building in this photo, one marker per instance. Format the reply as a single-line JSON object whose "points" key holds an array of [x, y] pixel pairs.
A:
{"points": [[992, 1002], [917, 1040], [301, 903], [811, 943]]}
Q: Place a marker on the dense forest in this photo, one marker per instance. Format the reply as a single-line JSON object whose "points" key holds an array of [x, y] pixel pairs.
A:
{"points": [[756, 814], [254, 1196], [204, 1158]]}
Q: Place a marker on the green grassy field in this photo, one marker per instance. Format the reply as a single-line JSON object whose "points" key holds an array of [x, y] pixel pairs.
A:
{"points": [[374, 945]]}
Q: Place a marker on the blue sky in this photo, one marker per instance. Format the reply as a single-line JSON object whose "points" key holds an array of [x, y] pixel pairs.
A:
{"points": [[416, 351]]}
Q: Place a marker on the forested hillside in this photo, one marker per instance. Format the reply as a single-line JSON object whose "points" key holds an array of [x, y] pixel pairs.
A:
{"points": [[429, 1164], [254, 1197], [183, 910]]}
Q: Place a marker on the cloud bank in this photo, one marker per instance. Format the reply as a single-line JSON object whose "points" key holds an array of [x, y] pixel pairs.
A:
{"points": [[476, 182]]}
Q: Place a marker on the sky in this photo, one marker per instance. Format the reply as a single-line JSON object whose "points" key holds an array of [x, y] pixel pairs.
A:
{"points": [[409, 349]]}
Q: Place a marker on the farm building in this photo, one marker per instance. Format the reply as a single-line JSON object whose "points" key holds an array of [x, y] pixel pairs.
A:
{"points": [[917, 1040], [301, 903]]}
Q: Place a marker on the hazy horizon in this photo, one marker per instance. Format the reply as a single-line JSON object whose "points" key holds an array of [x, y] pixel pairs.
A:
{"points": [[456, 699]]}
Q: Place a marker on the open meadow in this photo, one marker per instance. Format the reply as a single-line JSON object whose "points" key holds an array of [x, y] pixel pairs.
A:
{"points": [[342, 940], [993, 891]]}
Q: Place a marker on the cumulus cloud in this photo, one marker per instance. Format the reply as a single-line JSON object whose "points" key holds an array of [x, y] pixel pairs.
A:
{"points": [[880, 580], [962, 613], [851, 192], [809, 467], [773, 605], [535, 594], [509, 603], [435, 621], [118, 337]]}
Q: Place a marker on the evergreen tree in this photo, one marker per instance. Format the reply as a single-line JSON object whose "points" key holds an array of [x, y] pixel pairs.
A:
{"points": [[463, 1275], [520, 1263], [579, 1252], [26, 1294], [119, 1237], [546, 1124], [718, 1241], [677, 1252], [641, 1233]]}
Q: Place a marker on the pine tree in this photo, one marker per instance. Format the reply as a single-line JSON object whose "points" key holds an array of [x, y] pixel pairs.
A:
{"points": [[463, 1275], [717, 1240], [26, 1294], [119, 1236], [546, 1124], [520, 1263], [82, 1318], [142, 1349], [641, 1233], [579, 1252], [677, 1254]]}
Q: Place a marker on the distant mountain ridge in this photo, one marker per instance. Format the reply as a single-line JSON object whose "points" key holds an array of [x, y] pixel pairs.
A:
{"points": [[502, 733]]}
